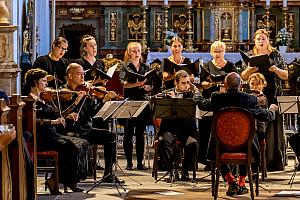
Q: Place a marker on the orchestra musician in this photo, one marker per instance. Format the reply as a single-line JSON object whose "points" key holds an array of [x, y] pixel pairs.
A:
{"points": [[84, 111], [176, 44], [233, 97], [135, 89], [277, 72], [218, 66], [54, 63], [48, 137], [182, 130]]}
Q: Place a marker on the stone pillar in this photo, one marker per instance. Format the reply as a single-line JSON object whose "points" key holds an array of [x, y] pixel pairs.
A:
{"points": [[8, 68]]}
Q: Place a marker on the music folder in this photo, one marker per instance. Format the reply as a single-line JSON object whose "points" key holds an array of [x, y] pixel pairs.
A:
{"points": [[98, 72], [141, 77], [121, 109], [261, 61], [192, 68], [288, 104]]}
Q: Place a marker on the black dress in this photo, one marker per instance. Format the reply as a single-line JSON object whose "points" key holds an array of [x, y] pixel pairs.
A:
{"points": [[98, 64], [72, 152]]}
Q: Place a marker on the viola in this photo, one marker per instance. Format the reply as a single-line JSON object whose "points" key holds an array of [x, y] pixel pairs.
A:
{"points": [[50, 94]]}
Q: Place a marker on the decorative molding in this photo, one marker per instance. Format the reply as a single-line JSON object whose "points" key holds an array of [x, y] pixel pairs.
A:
{"points": [[77, 13], [3, 44], [135, 24], [113, 26], [158, 26], [291, 24]]}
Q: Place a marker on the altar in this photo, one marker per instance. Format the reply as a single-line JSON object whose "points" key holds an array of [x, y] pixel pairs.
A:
{"points": [[233, 57]]}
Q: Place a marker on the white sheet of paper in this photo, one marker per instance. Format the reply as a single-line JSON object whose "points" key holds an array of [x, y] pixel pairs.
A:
{"points": [[169, 193]]}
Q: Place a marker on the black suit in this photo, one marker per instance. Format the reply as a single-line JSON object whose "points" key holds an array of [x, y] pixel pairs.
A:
{"points": [[172, 130], [238, 99]]}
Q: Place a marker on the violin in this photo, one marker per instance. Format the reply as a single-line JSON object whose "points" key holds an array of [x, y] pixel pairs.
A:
{"points": [[50, 94], [97, 91]]}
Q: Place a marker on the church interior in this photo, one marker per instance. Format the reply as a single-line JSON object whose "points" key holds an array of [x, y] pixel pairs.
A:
{"points": [[28, 29]]}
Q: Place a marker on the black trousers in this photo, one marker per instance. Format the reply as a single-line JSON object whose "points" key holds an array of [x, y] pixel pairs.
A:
{"points": [[106, 138], [167, 151], [134, 126]]}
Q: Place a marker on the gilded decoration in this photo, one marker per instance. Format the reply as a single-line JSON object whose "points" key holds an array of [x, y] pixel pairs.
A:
{"points": [[158, 26], [180, 25], [264, 24], [77, 13], [226, 26], [113, 26], [291, 25], [91, 12], [3, 44], [135, 24], [63, 12]]}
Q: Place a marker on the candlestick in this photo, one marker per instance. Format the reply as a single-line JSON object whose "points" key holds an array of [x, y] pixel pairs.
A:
{"points": [[268, 3], [285, 3], [144, 2], [165, 2], [189, 2]]}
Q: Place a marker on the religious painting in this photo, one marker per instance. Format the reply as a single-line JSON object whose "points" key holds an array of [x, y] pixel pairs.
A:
{"points": [[135, 24], [180, 25], [263, 23]]}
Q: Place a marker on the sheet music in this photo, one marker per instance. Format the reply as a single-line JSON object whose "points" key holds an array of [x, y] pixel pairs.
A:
{"points": [[110, 72]]}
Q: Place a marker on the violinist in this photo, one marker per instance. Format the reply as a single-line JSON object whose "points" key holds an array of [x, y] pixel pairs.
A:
{"points": [[218, 66], [182, 130], [135, 89], [49, 139], [83, 124]]}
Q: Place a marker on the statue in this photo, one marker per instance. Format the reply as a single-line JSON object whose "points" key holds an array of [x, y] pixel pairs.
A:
{"points": [[135, 27], [26, 40], [181, 25]]}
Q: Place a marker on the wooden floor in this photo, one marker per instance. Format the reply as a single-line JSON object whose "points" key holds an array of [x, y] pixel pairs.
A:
{"points": [[141, 185]]}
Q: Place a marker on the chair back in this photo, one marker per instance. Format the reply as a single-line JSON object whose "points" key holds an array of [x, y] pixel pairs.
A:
{"points": [[233, 129]]}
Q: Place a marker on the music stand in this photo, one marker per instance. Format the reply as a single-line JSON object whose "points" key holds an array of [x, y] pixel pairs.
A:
{"points": [[173, 108], [117, 110], [290, 105]]}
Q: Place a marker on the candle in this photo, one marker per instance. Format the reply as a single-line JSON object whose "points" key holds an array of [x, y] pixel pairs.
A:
{"points": [[189, 2], [268, 2], [165, 2], [284, 3], [144, 2]]}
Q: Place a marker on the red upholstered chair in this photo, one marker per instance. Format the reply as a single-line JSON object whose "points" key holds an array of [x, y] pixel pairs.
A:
{"points": [[233, 129]]}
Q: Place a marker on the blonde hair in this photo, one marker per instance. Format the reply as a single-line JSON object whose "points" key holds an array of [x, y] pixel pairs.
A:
{"points": [[83, 43], [130, 46], [262, 31], [217, 44], [260, 78]]}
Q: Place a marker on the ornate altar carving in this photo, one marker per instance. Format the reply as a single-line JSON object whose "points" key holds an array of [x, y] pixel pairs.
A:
{"points": [[270, 25], [77, 13], [109, 61], [158, 28], [291, 25], [113, 26], [135, 24], [181, 25], [226, 26]]}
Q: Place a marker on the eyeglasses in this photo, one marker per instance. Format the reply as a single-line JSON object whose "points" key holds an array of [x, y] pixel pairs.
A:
{"points": [[62, 48]]}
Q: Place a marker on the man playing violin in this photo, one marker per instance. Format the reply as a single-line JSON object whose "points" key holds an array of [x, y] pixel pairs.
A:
{"points": [[183, 130], [82, 123]]}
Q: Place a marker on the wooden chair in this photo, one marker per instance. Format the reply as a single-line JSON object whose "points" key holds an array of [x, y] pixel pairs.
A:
{"points": [[233, 129]]}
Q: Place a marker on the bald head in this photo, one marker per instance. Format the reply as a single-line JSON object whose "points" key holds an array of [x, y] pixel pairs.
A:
{"points": [[233, 81]]}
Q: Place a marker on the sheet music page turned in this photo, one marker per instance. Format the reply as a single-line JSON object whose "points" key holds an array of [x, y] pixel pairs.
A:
{"points": [[108, 109], [130, 109]]}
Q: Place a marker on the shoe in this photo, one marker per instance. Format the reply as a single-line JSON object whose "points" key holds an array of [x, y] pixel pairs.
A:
{"points": [[74, 188], [112, 179], [185, 177], [129, 167], [49, 183], [232, 189], [141, 167], [99, 167], [175, 178], [242, 190]]}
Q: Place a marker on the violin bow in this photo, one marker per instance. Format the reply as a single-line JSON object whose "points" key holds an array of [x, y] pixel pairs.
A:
{"points": [[57, 95], [81, 106]]}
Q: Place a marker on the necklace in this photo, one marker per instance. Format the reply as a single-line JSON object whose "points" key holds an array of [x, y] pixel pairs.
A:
{"points": [[180, 60]]}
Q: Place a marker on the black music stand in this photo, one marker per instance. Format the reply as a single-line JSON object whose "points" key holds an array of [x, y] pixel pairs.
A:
{"points": [[116, 110], [290, 105], [173, 108]]}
